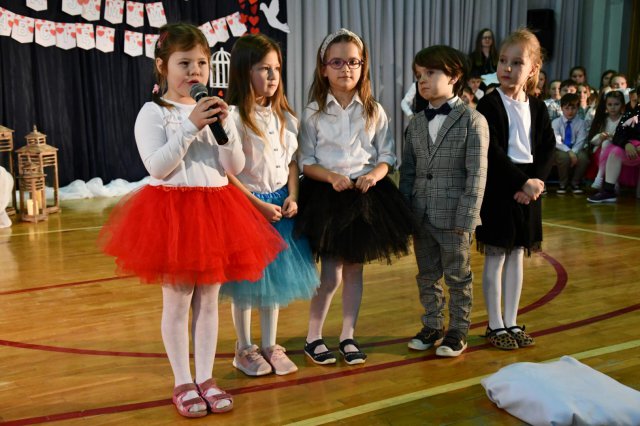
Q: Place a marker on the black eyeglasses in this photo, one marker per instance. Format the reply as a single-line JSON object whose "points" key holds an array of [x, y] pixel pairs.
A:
{"points": [[338, 63]]}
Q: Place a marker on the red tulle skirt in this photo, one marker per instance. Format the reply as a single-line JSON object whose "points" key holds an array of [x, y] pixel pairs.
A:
{"points": [[187, 235]]}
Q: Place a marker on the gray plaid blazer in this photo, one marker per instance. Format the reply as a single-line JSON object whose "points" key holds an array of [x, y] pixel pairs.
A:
{"points": [[444, 181]]}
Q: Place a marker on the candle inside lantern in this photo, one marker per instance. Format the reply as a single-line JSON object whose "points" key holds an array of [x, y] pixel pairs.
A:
{"points": [[30, 207]]}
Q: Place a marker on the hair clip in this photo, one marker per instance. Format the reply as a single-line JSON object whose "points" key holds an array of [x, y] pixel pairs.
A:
{"points": [[161, 39], [156, 89]]}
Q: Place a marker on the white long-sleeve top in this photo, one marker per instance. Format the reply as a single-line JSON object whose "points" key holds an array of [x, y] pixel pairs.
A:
{"points": [[176, 153], [267, 160], [407, 103], [338, 140]]}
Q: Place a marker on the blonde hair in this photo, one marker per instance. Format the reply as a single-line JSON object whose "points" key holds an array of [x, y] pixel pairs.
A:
{"points": [[531, 46], [320, 86], [246, 52]]}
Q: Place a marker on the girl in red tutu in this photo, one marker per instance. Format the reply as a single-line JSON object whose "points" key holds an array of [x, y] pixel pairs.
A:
{"points": [[189, 229]]}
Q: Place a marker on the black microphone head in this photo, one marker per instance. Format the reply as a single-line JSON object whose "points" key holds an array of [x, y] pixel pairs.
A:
{"points": [[198, 91]]}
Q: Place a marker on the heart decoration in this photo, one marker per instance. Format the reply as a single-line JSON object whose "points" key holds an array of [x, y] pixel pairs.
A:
{"points": [[130, 7], [243, 18], [254, 9], [253, 1], [100, 33], [60, 30], [255, 30], [254, 20]]}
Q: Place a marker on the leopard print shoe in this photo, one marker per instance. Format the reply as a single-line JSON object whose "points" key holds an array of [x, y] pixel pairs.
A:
{"points": [[523, 339], [504, 340]]}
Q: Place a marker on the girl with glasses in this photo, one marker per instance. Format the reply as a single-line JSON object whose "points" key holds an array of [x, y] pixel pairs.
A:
{"points": [[349, 210]]}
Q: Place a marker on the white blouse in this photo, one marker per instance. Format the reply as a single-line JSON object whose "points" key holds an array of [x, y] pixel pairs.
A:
{"points": [[337, 139], [176, 153], [267, 160], [519, 115]]}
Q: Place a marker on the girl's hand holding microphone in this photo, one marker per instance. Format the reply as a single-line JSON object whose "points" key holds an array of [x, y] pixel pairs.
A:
{"points": [[208, 110]]}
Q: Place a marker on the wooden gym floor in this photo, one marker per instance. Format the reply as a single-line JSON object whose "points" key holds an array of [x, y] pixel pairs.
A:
{"points": [[80, 345]]}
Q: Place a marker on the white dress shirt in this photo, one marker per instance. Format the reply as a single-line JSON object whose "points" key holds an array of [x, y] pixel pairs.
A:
{"points": [[267, 160], [176, 153], [436, 122], [578, 133], [519, 115], [337, 139]]}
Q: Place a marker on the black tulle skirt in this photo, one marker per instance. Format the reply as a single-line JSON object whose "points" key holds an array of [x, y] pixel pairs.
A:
{"points": [[352, 226]]}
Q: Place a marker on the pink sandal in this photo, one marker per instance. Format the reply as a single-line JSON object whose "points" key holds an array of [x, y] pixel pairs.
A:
{"points": [[212, 400], [179, 393]]}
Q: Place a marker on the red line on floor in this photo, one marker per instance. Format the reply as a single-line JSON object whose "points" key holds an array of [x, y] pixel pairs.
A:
{"points": [[305, 380], [49, 287], [560, 284]]}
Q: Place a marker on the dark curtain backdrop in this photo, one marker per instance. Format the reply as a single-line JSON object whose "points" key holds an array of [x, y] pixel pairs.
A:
{"points": [[86, 101]]}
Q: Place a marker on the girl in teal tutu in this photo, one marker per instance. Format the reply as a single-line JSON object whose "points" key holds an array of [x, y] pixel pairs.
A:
{"points": [[268, 130]]}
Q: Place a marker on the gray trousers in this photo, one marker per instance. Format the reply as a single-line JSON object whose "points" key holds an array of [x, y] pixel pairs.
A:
{"points": [[563, 162], [443, 252]]}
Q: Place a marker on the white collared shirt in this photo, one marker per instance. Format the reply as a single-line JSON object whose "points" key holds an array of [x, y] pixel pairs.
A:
{"points": [[578, 133], [519, 115], [176, 153], [267, 159], [337, 139], [436, 122]]}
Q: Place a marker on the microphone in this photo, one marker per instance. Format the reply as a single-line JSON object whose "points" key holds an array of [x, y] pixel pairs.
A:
{"points": [[199, 91]]}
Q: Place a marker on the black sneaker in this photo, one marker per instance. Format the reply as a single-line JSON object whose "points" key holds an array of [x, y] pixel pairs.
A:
{"points": [[576, 189], [454, 343], [603, 197], [561, 190], [426, 338]]}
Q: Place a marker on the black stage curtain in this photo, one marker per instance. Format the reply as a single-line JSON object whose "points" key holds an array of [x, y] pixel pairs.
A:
{"points": [[86, 101]]}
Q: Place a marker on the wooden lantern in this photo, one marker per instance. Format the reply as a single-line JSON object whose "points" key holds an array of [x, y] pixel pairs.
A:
{"points": [[36, 151], [33, 203], [6, 161]]}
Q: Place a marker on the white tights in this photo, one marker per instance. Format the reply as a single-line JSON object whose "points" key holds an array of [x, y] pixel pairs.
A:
{"points": [[242, 324], [176, 301], [332, 272], [502, 279]]}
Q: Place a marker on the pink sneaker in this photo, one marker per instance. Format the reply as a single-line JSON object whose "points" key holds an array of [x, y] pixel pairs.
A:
{"points": [[281, 363], [250, 361]]}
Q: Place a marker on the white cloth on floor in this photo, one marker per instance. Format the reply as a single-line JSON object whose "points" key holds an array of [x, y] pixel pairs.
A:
{"points": [[6, 187], [95, 188], [564, 392]]}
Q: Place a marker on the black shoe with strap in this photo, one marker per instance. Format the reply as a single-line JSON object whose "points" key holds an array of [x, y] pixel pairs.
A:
{"points": [[355, 357], [322, 358], [426, 338]]}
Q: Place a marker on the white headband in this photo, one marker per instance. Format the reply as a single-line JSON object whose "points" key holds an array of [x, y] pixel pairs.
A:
{"points": [[342, 31]]}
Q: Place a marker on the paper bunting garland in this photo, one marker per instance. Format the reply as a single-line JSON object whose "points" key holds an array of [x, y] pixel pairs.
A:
{"points": [[135, 13], [132, 43], [37, 4], [22, 29], [114, 11], [69, 35], [104, 38], [90, 9], [155, 14], [6, 22], [71, 7], [150, 44], [237, 28], [45, 33], [85, 37], [65, 36]]}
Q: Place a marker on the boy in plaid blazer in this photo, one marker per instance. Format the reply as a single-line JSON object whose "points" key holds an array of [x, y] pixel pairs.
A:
{"points": [[442, 176]]}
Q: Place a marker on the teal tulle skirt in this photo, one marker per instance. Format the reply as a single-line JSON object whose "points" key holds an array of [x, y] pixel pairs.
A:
{"points": [[292, 276]]}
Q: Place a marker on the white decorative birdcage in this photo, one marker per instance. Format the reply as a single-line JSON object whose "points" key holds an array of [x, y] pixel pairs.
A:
{"points": [[219, 75]]}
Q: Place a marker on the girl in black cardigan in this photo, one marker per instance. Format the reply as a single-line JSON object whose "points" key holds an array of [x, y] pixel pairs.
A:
{"points": [[520, 154]]}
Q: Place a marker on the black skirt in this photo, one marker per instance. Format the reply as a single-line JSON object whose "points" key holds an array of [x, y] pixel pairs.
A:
{"points": [[508, 224], [352, 226]]}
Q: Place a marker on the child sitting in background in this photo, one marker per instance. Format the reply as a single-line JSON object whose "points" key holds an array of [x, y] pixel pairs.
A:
{"points": [[570, 133]]}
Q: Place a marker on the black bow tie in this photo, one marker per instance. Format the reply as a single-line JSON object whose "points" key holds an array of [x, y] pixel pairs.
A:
{"points": [[444, 109]]}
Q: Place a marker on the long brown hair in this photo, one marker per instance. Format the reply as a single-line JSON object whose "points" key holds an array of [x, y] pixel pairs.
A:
{"points": [[530, 44], [246, 52], [599, 119], [178, 37], [320, 86], [477, 57]]}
